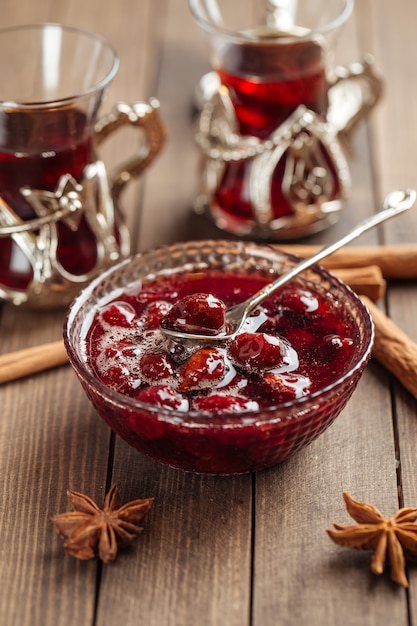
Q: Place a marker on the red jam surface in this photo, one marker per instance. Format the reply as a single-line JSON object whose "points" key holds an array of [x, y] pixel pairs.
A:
{"points": [[297, 342]]}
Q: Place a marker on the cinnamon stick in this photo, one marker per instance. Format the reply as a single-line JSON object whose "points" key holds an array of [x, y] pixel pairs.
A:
{"points": [[396, 261], [31, 360], [366, 281], [393, 348]]}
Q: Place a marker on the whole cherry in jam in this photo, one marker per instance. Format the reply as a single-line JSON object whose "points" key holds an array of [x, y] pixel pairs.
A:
{"points": [[285, 387], [218, 403], [255, 351], [201, 313], [154, 313], [163, 396], [156, 366], [204, 369], [118, 314]]}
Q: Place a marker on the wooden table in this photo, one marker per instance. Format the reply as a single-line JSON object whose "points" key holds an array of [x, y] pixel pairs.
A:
{"points": [[249, 550]]}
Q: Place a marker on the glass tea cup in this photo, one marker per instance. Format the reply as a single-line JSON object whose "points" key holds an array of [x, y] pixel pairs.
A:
{"points": [[60, 222], [270, 119]]}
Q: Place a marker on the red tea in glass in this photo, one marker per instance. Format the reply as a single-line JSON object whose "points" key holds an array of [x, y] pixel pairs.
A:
{"points": [[35, 151], [273, 166], [266, 82]]}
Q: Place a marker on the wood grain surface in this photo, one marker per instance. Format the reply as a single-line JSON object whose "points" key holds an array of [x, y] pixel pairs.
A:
{"points": [[243, 551]]}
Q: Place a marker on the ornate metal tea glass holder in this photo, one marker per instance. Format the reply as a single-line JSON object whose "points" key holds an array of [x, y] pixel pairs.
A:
{"points": [[303, 139], [95, 198]]}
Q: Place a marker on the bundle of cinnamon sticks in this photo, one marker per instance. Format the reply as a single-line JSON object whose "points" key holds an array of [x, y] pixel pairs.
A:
{"points": [[364, 268]]}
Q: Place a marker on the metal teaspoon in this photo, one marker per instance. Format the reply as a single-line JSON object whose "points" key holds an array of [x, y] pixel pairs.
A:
{"points": [[396, 202]]}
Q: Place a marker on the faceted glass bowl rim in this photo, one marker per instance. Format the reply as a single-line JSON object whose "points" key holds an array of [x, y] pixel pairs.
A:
{"points": [[86, 302]]}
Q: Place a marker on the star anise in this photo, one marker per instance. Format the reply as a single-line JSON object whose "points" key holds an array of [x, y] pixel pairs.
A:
{"points": [[395, 537], [89, 531]]}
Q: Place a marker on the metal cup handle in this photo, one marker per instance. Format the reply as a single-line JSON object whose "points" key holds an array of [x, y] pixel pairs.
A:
{"points": [[144, 115], [365, 86]]}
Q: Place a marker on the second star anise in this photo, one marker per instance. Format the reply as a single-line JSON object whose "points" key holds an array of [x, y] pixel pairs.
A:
{"points": [[89, 531], [395, 537]]}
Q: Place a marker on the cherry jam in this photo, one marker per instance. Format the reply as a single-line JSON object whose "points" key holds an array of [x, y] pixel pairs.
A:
{"points": [[227, 407], [296, 343]]}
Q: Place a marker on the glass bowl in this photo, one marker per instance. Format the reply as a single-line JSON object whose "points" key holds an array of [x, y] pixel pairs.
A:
{"points": [[216, 443]]}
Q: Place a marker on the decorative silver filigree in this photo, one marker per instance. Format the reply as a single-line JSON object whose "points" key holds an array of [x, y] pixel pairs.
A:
{"points": [[37, 239], [317, 177]]}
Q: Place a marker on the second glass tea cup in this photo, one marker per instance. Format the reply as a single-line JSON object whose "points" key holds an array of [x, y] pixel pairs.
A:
{"points": [[274, 166]]}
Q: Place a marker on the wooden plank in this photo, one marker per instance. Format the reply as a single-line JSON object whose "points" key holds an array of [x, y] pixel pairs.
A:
{"points": [[395, 122], [296, 502], [396, 166], [50, 440], [396, 48], [193, 565], [300, 576], [171, 186], [50, 437]]}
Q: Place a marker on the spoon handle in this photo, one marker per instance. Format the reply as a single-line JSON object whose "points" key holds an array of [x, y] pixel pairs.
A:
{"points": [[395, 203]]}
